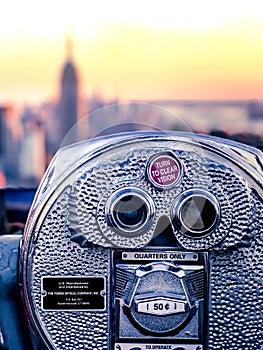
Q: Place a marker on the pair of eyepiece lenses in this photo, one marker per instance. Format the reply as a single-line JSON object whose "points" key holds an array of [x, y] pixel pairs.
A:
{"points": [[130, 210], [196, 213]]}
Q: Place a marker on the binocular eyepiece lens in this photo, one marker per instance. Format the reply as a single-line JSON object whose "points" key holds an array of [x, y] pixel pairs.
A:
{"points": [[129, 210], [196, 213]]}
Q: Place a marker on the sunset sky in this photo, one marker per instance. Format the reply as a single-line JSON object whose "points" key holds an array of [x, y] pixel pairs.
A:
{"points": [[139, 49]]}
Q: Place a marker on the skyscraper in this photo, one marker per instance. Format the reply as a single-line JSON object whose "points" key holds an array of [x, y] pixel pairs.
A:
{"points": [[68, 103], [1, 128], [2, 146], [8, 147], [32, 159]]}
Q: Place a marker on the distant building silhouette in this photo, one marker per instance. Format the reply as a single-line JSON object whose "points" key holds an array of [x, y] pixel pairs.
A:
{"points": [[2, 146], [32, 149], [8, 148], [255, 110], [68, 103], [2, 127]]}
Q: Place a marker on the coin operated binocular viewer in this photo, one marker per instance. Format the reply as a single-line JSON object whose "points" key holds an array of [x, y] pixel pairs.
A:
{"points": [[140, 240]]}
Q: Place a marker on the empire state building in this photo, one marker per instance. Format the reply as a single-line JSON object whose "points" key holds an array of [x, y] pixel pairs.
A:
{"points": [[68, 103]]}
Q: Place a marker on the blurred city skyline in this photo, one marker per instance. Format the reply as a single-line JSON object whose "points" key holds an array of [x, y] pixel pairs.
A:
{"points": [[60, 61], [139, 50]]}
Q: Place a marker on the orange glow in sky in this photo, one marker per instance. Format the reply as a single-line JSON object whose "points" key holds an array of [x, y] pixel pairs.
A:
{"points": [[138, 49]]}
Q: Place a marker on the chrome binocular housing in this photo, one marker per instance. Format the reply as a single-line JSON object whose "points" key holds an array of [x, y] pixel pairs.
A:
{"points": [[146, 240]]}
